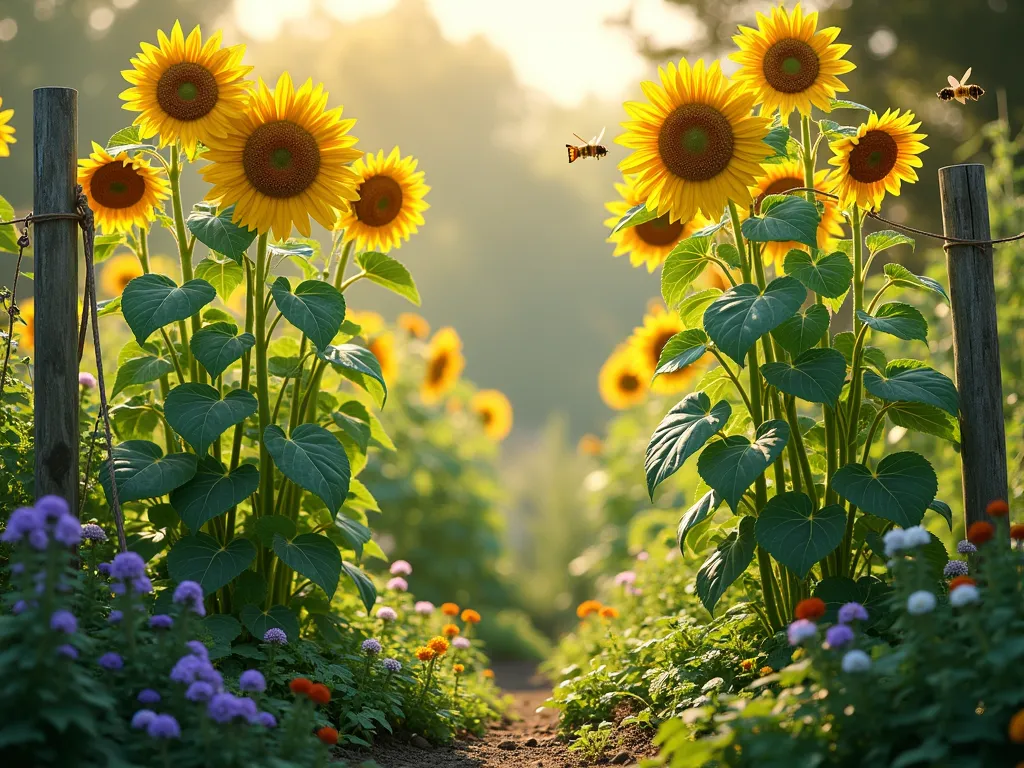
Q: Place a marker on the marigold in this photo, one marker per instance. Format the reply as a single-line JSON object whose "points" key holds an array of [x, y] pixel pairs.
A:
{"points": [[449, 609], [765, 670], [813, 608], [1017, 531], [489, 674], [438, 645], [450, 630], [425, 654], [588, 607], [960, 581], [470, 616], [747, 665], [997, 508], [980, 532], [458, 669], [609, 612], [328, 735], [1016, 728], [589, 445], [319, 693]]}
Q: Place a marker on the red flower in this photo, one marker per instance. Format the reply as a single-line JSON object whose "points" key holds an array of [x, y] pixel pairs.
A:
{"points": [[319, 693], [998, 508], [300, 685], [328, 735], [1017, 531], [813, 608], [960, 581], [980, 532]]}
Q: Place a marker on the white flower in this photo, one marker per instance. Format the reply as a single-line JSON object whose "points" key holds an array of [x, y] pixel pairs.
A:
{"points": [[916, 536], [856, 661], [963, 595], [921, 602], [895, 541]]}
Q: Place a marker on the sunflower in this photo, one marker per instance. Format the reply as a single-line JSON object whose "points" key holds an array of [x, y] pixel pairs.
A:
{"points": [[444, 365], [390, 205], [122, 191], [284, 159], [186, 91], [414, 325], [623, 379], [383, 348], [788, 65], [782, 177], [26, 334], [6, 131], [648, 340], [495, 413], [118, 272], [696, 145], [370, 323], [882, 154], [651, 241]]}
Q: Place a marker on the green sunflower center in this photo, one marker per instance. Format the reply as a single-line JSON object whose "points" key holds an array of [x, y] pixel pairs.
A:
{"points": [[696, 142], [380, 201], [659, 232], [116, 185], [874, 157], [281, 159], [791, 66], [187, 91]]}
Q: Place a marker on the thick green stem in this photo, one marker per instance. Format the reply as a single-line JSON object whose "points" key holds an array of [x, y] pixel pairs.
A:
{"points": [[797, 439], [858, 305], [735, 380], [236, 443], [165, 388], [737, 230], [769, 588], [805, 135], [184, 252], [143, 252], [263, 381]]}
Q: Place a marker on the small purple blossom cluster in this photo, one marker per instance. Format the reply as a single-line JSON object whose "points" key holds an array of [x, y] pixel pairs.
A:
{"points": [[206, 686], [840, 635], [372, 647], [190, 595], [128, 571], [275, 636], [156, 726], [50, 519]]}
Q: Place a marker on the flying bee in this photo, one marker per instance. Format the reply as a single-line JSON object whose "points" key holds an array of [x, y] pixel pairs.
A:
{"points": [[590, 148], [960, 90]]}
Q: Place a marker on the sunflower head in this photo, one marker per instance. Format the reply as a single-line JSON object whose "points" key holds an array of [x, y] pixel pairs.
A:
{"points": [[623, 379], [283, 160], [383, 348], [186, 90], [390, 205], [650, 339], [695, 144], [414, 325], [124, 191], [444, 365], [495, 413], [6, 131], [883, 154], [118, 272], [788, 64], [26, 334]]}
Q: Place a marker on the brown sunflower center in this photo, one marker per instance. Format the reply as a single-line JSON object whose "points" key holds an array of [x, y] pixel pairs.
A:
{"points": [[486, 416], [281, 159], [629, 382], [660, 231], [658, 344], [380, 201], [187, 91], [791, 66], [438, 365], [777, 187], [116, 185], [696, 142], [873, 157]]}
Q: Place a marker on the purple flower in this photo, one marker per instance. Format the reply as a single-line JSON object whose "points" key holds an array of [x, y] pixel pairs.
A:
{"points": [[965, 594], [387, 614], [38, 539], [856, 661], [634, 591], [424, 607], [223, 707], [92, 532], [104, 568], [461, 643], [52, 507], [401, 568], [398, 584], [372, 647], [245, 707], [18, 568], [197, 649], [801, 630], [148, 696], [111, 661], [838, 636], [850, 612], [127, 566], [625, 578], [87, 380], [275, 636], [161, 621], [966, 548], [199, 691], [115, 617], [142, 718], [265, 719], [22, 521], [63, 621], [186, 669], [392, 665], [252, 680], [67, 650], [142, 585], [190, 594], [19, 607], [210, 675], [955, 568], [118, 588], [163, 727], [68, 531]]}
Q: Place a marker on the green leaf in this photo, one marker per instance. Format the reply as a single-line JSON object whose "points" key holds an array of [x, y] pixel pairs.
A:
{"points": [[258, 621], [360, 366], [8, 233], [216, 346], [732, 464], [354, 420], [143, 472], [741, 315], [897, 319], [267, 527], [213, 491], [316, 308], [778, 140], [845, 104], [314, 556], [109, 307], [904, 278], [816, 376], [913, 381], [103, 247], [685, 428], [794, 218], [129, 135], [222, 628], [367, 592], [943, 509], [869, 591], [390, 273], [701, 510], [638, 214], [313, 459], [682, 266], [885, 239], [796, 534], [833, 131], [872, 355], [727, 252], [198, 414], [249, 587], [219, 233], [683, 349], [150, 302], [803, 330], [134, 420], [353, 533], [201, 558], [924, 418], [225, 276], [827, 276], [899, 489], [140, 370], [692, 308], [726, 564]]}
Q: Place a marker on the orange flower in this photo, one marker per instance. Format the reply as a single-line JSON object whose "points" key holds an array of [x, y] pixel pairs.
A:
{"points": [[980, 532], [812, 608], [588, 607], [589, 445], [489, 674], [319, 693], [998, 508], [328, 735], [765, 670], [425, 654], [1017, 728], [747, 664], [608, 612], [414, 325], [449, 609], [470, 616], [960, 581], [300, 685], [458, 669], [450, 630], [1017, 531], [438, 645]]}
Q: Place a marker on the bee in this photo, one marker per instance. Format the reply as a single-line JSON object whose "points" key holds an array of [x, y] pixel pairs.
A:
{"points": [[960, 90], [590, 148]]}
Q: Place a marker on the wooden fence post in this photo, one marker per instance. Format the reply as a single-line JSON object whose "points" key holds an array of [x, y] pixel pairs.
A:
{"points": [[972, 294], [55, 161]]}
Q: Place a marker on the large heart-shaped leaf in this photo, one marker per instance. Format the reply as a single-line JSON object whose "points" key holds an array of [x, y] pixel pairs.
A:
{"points": [[313, 459], [885, 239], [816, 376], [777, 139], [217, 346], [219, 233], [899, 489], [897, 319], [904, 278], [692, 308], [791, 218], [135, 420], [150, 302], [915, 382], [827, 276], [741, 315], [638, 214], [354, 420], [701, 510], [360, 366], [223, 274], [314, 556], [726, 564], [143, 472], [148, 366], [258, 621], [803, 330], [682, 266], [316, 308], [201, 558], [354, 534], [683, 349], [924, 418], [390, 273], [367, 591], [796, 534], [732, 464], [213, 491], [685, 428], [198, 414], [873, 356]]}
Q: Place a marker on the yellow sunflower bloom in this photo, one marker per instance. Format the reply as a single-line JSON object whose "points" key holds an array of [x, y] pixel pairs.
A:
{"points": [[124, 191], [414, 325], [186, 90], [783, 177], [648, 340], [623, 379], [788, 64], [370, 323], [696, 145], [26, 334], [383, 348], [444, 365], [875, 161], [6, 131], [494, 411], [390, 205], [285, 159], [117, 273], [648, 243]]}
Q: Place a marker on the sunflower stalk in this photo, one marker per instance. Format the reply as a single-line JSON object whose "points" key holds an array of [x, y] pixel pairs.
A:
{"points": [[184, 253], [266, 502]]}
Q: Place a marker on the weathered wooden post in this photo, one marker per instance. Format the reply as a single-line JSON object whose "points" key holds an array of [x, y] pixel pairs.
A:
{"points": [[55, 154], [972, 294]]}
